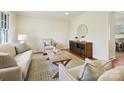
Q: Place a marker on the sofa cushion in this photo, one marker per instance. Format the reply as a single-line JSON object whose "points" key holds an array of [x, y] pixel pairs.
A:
{"points": [[23, 60], [21, 47], [114, 74], [6, 61], [8, 48]]}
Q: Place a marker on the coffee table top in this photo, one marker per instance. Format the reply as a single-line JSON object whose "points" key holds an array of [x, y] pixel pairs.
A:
{"points": [[57, 57]]}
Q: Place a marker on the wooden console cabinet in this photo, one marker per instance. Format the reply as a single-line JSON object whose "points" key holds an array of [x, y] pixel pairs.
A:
{"points": [[82, 48]]}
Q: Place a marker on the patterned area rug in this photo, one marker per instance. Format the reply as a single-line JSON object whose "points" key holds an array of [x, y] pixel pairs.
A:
{"points": [[42, 70]]}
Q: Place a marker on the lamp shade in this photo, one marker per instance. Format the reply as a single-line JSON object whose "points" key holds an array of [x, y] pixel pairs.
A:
{"points": [[22, 37]]}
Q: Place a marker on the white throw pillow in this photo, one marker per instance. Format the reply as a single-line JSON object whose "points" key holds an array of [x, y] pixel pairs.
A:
{"points": [[21, 47], [89, 72], [48, 42], [92, 69], [6, 61]]}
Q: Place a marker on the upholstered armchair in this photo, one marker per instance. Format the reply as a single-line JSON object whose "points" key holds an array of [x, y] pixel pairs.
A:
{"points": [[48, 44], [89, 71]]}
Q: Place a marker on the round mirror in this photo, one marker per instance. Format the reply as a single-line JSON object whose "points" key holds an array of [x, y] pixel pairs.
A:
{"points": [[82, 30]]}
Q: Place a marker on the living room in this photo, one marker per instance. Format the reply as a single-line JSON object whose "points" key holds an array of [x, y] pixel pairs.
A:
{"points": [[64, 46], [94, 30]]}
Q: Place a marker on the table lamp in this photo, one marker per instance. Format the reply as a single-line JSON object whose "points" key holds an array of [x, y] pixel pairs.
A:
{"points": [[22, 38]]}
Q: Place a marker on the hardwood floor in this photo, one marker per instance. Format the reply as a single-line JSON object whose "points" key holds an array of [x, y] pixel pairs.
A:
{"points": [[119, 61]]}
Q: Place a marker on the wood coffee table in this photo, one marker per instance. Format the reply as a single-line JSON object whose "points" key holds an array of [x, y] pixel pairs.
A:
{"points": [[58, 58]]}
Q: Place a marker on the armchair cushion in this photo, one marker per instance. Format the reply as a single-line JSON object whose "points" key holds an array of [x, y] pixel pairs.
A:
{"points": [[75, 71], [64, 74]]}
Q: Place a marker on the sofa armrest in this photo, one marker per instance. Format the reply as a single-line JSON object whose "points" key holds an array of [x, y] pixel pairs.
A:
{"points": [[11, 74], [64, 74]]}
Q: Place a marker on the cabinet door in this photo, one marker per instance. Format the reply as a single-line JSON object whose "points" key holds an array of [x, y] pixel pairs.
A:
{"points": [[82, 49], [89, 50], [70, 45]]}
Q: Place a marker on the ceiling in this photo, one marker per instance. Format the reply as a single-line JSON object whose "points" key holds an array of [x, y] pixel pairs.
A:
{"points": [[51, 14]]}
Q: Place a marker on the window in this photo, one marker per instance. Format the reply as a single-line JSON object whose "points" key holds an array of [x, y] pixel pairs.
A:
{"points": [[4, 27]]}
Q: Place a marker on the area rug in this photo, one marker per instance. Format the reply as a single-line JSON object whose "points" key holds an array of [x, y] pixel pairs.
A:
{"points": [[42, 70]]}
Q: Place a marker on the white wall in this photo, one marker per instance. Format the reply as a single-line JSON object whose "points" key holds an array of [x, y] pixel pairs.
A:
{"points": [[61, 31], [111, 20], [38, 28], [97, 23]]}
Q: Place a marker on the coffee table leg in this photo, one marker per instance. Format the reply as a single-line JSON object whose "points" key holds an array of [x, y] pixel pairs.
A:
{"points": [[55, 64], [66, 62], [56, 75]]}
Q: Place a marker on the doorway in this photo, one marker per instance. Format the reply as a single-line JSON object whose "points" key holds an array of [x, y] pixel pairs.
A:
{"points": [[119, 34]]}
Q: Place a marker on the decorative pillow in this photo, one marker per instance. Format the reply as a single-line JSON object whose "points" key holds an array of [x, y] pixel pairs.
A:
{"points": [[100, 64], [106, 65], [21, 47], [47, 42], [89, 72], [6, 61], [92, 69]]}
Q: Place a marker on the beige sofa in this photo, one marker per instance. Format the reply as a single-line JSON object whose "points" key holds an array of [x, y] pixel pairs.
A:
{"points": [[23, 61]]}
